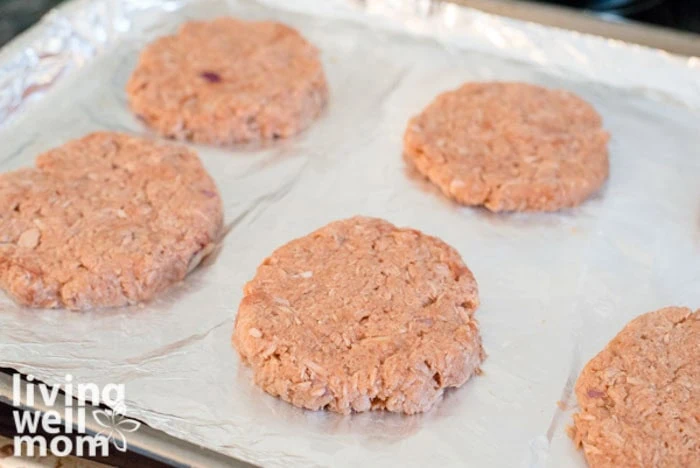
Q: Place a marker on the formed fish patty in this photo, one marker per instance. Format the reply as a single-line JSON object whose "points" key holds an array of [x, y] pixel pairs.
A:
{"points": [[229, 81], [361, 315], [510, 147], [103, 221], [639, 398]]}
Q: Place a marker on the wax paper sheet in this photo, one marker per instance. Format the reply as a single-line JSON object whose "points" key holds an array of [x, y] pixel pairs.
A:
{"points": [[554, 287]]}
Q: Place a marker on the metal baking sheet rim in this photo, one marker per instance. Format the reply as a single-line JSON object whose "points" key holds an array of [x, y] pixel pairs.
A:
{"points": [[45, 55]]}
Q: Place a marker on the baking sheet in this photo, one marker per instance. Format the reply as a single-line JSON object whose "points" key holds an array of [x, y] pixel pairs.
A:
{"points": [[554, 287]]}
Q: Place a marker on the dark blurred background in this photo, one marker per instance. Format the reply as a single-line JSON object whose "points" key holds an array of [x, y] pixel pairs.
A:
{"points": [[17, 15], [682, 15]]}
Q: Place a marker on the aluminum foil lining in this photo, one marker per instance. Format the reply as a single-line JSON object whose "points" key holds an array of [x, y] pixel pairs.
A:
{"points": [[554, 287]]}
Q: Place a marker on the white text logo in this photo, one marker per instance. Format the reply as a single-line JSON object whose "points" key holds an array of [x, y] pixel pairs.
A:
{"points": [[69, 420]]}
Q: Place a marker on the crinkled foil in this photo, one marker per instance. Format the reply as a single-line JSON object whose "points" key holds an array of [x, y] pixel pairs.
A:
{"points": [[554, 287]]}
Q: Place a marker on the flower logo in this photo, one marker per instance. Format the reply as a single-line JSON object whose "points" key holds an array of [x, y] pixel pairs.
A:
{"points": [[116, 425]]}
